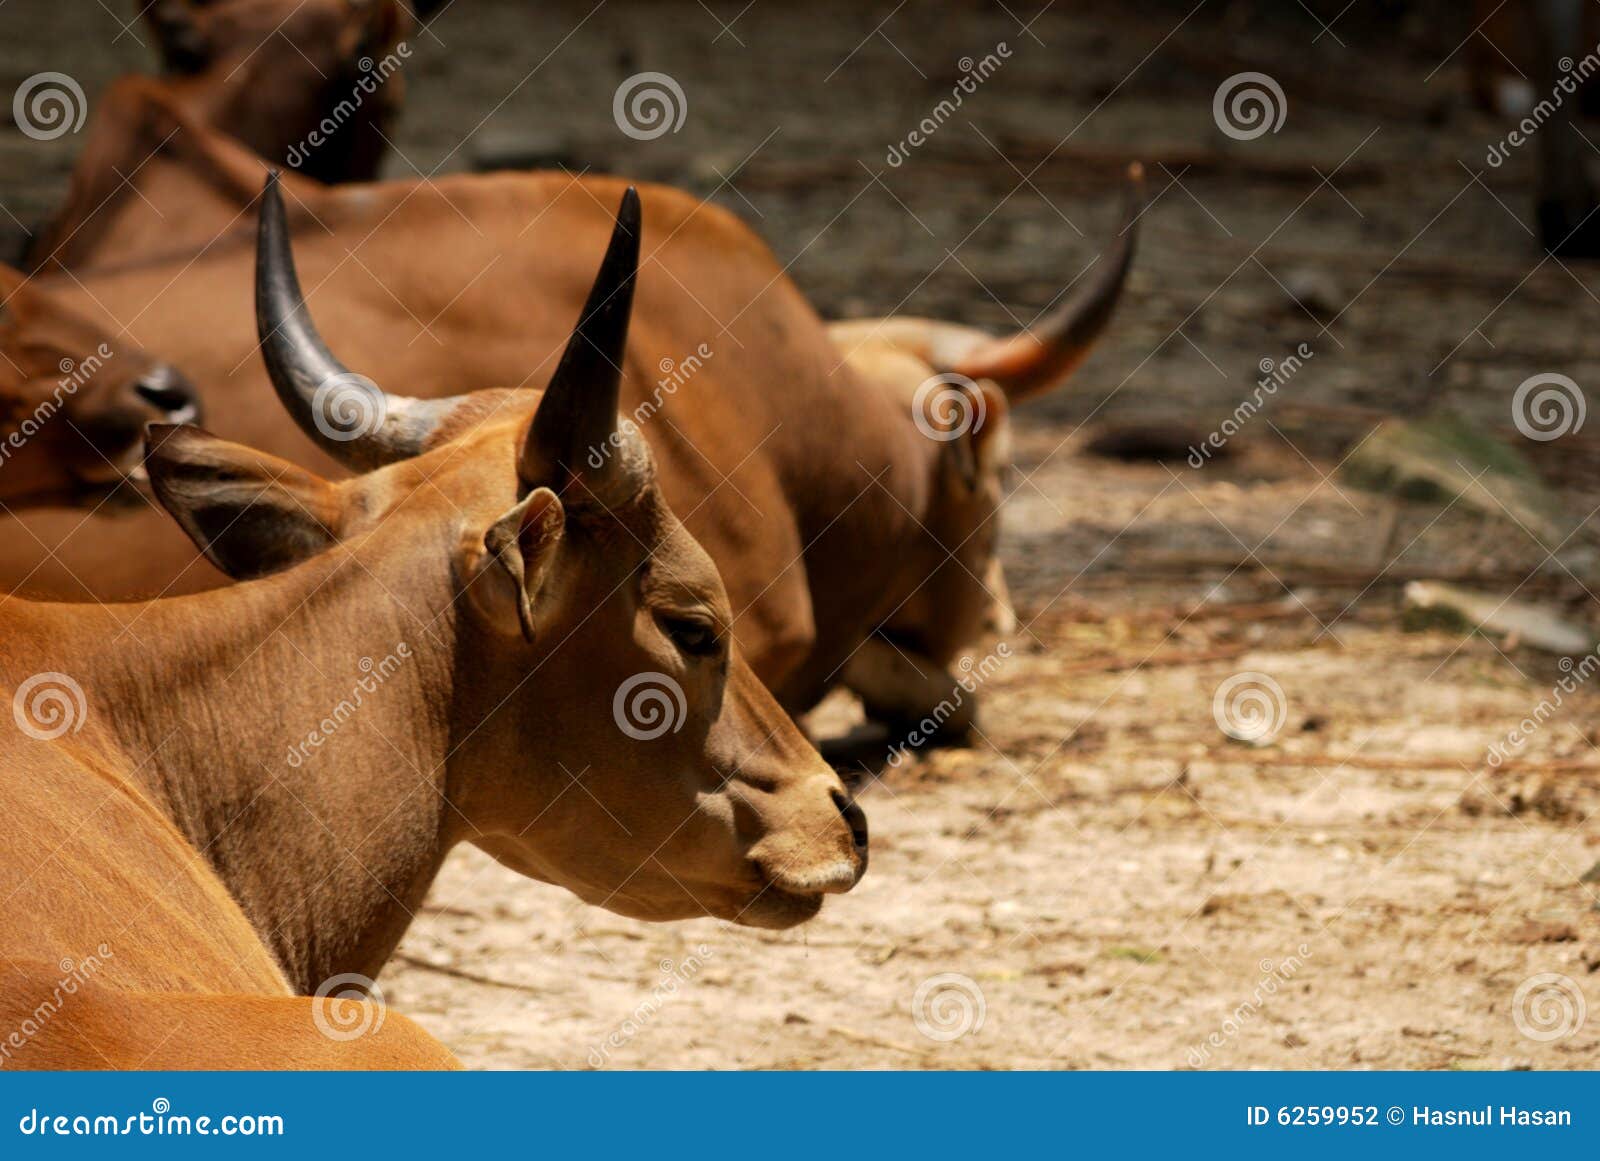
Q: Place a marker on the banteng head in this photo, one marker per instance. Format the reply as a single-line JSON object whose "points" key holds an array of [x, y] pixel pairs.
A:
{"points": [[302, 82], [959, 386], [605, 734], [74, 399]]}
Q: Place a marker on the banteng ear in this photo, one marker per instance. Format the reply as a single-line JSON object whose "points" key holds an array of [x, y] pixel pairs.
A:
{"points": [[991, 436], [961, 458], [507, 572], [978, 446], [183, 43], [250, 513], [11, 281]]}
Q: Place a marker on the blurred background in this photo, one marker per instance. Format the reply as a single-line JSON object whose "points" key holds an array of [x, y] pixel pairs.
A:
{"points": [[1118, 877], [1414, 256]]}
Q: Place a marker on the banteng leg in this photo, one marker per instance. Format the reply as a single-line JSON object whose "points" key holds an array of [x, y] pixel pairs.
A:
{"points": [[100, 1027], [911, 694], [1568, 223]]}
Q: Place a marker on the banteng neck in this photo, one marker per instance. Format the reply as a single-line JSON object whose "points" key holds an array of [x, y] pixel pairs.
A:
{"points": [[294, 728]]}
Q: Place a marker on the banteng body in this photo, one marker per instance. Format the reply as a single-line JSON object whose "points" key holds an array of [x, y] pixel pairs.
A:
{"points": [[435, 652], [813, 463]]}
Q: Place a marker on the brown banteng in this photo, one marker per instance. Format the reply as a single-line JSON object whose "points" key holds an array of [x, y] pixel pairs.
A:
{"points": [[311, 84], [1532, 63], [74, 400], [206, 180], [271, 72], [245, 793], [826, 470]]}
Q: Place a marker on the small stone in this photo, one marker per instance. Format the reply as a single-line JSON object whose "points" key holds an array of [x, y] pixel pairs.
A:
{"points": [[523, 149], [1442, 457], [1516, 621], [1313, 289], [1543, 931]]}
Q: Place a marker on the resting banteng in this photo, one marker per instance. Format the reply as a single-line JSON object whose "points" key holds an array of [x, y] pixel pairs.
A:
{"points": [[842, 510], [209, 807], [1531, 63], [271, 72], [315, 85], [956, 385], [74, 401]]}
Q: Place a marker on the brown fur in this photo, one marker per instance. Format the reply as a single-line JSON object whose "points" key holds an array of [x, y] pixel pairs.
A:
{"points": [[172, 828], [795, 458], [203, 806], [72, 416], [268, 71]]}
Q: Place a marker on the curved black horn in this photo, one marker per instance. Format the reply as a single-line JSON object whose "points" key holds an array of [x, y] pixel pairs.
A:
{"points": [[1033, 361], [574, 433], [345, 414]]}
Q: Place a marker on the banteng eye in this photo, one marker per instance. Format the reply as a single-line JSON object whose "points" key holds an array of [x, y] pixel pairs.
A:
{"points": [[694, 637]]}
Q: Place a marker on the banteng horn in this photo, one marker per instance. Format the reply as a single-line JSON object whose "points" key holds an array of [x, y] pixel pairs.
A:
{"points": [[347, 415], [574, 437]]}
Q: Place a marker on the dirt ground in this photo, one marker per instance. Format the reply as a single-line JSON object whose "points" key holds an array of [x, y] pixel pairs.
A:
{"points": [[1113, 876], [1104, 879]]}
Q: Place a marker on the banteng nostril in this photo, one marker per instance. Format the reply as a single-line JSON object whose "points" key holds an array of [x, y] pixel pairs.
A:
{"points": [[168, 391], [855, 818]]}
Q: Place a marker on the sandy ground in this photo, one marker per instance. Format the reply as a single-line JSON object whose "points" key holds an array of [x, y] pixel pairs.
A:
{"points": [[1105, 879], [1108, 880]]}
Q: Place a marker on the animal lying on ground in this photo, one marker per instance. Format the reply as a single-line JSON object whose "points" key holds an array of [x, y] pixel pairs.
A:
{"points": [[315, 85], [1532, 63], [230, 798], [274, 72], [846, 479], [74, 401]]}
